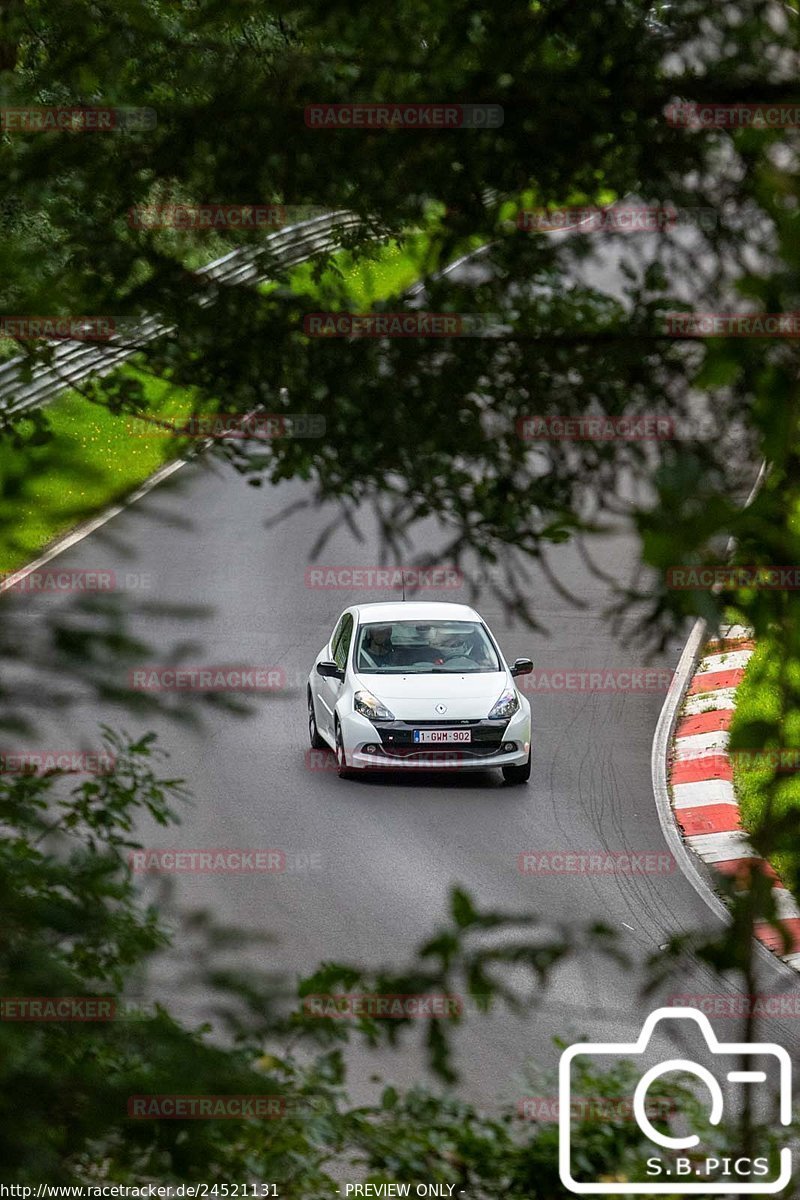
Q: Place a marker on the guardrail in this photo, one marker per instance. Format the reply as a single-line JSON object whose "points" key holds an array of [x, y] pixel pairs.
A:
{"points": [[72, 363]]}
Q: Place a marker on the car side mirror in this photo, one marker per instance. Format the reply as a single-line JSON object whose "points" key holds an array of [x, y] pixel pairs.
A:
{"points": [[329, 670], [523, 666]]}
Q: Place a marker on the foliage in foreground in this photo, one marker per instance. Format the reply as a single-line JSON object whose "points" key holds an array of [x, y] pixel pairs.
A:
{"points": [[583, 321], [74, 925]]}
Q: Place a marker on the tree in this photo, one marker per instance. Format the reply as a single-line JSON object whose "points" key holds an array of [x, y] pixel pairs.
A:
{"points": [[75, 926], [584, 98], [583, 94]]}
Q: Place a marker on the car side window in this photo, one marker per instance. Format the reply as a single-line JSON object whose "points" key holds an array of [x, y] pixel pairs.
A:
{"points": [[342, 647], [336, 633]]}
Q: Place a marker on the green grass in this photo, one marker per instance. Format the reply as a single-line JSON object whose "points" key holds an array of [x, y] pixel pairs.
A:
{"points": [[759, 724], [92, 460], [355, 281]]}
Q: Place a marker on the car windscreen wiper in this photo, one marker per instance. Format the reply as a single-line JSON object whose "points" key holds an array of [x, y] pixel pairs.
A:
{"points": [[455, 671]]}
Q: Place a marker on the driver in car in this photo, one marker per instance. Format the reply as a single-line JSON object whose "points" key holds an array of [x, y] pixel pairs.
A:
{"points": [[459, 646], [449, 646], [378, 645]]}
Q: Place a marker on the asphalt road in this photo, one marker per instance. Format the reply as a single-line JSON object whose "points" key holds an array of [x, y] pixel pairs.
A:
{"points": [[371, 861]]}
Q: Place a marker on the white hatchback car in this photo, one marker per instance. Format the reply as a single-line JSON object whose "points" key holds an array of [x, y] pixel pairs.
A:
{"points": [[418, 685]]}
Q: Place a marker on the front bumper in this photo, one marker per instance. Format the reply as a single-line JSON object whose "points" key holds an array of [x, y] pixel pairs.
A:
{"points": [[394, 749]]}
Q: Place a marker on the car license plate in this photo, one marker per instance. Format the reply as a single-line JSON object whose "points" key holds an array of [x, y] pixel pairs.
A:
{"points": [[442, 735]]}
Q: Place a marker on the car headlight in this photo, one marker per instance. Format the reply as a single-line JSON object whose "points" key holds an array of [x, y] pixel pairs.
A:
{"points": [[506, 706], [370, 706]]}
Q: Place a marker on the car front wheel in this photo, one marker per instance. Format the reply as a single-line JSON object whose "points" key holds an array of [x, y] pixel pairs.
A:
{"points": [[341, 761], [515, 774], [317, 742]]}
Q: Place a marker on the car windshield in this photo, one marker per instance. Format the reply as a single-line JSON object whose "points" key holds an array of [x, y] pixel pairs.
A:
{"points": [[424, 647]]}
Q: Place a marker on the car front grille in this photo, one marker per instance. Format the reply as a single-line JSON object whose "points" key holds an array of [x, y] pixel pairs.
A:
{"points": [[452, 752], [397, 738]]}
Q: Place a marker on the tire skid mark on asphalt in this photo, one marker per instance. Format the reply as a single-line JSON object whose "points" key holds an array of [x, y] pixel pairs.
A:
{"points": [[634, 892], [587, 708], [637, 893]]}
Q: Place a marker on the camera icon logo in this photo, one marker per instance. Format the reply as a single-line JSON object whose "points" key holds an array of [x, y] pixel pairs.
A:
{"points": [[671, 1170]]}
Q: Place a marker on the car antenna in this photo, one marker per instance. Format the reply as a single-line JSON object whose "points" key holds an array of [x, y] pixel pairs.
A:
{"points": [[403, 581]]}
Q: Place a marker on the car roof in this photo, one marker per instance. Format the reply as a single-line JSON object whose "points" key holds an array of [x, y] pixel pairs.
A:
{"points": [[415, 610]]}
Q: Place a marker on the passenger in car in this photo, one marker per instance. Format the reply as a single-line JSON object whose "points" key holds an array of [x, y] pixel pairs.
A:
{"points": [[378, 645]]}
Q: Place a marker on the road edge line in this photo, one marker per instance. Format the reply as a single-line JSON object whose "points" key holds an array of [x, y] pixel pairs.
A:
{"points": [[699, 873], [70, 539], [84, 530], [662, 740]]}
